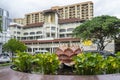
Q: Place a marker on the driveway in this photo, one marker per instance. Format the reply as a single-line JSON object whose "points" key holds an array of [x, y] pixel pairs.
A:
{"points": [[8, 74]]}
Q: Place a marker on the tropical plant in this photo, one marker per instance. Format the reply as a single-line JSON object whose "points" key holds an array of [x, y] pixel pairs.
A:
{"points": [[94, 63], [118, 58], [100, 30], [23, 62], [111, 65], [85, 63], [46, 63], [88, 63]]}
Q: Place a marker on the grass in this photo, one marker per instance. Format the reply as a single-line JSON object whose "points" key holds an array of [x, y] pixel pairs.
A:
{"points": [[5, 64]]}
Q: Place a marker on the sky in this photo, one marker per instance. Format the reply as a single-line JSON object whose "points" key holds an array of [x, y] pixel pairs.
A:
{"points": [[18, 8]]}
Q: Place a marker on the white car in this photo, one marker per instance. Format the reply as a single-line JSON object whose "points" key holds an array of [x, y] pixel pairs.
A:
{"points": [[4, 58]]}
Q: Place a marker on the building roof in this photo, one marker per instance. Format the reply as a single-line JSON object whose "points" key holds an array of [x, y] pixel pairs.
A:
{"points": [[15, 24], [49, 11], [71, 20], [60, 21], [40, 24], [54, 40]]}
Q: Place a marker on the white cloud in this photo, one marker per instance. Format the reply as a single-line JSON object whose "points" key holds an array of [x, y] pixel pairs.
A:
{"points": [[17, 8], [109, 7]]}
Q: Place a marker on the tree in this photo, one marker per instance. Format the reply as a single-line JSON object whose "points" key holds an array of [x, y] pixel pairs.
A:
{"points": [[14, 45], [100, 30]]}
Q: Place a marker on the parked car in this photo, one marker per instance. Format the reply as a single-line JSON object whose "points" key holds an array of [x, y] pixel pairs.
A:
{"points": [[104, 53], [4, 58]]}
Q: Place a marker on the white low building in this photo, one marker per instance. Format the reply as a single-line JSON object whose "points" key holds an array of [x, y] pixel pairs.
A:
{"points": [[50, 34]]}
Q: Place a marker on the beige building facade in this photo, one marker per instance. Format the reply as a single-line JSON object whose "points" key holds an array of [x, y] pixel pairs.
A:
{"points": [[20, 21], [82, 10]]}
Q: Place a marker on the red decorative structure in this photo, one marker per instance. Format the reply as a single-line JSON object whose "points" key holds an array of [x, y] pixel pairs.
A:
{"points": [[65, 53]]}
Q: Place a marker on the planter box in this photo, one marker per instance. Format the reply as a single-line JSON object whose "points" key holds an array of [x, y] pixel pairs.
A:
{"points": [[9, 74]]}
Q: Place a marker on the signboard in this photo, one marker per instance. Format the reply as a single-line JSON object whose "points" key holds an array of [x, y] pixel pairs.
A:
{"points": [[87, 43]]}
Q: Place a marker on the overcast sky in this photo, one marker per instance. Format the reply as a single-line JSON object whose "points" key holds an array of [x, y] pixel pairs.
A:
{"points": [[18, 8]]}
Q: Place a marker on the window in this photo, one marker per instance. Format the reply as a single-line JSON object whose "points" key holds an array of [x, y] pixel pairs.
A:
{"points": [[62, 35], [70, 29], [62, 30], [31, 33], [18, 27], [18, 32], [48, 35], [52, 28], [18, 38], [25, 33], [31, 37], [39, 32], [53, 35], [69, 35]]}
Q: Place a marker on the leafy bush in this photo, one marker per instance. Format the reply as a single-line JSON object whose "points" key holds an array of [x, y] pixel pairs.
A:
{"points": [[85, 63], [46, 63], [43, 63], [88, 63], [23, 62], [118, 58], [110, 65], [94, 63]]}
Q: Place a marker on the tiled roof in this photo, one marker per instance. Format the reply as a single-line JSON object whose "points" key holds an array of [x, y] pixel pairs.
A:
{"points": [[71, 20], [49, 10], [14, 25], [54, 40], [34, 25], [60, 21]]}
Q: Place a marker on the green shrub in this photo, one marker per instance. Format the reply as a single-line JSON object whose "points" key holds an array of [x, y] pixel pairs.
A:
{"points": [[93, 63], [46, 63], [85, 63], [110, 65], [23, 62], [118, 58], [43, 63], [88, 63]]}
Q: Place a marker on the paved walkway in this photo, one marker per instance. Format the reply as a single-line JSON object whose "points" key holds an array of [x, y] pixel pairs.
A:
{"points": [[8, 74]]}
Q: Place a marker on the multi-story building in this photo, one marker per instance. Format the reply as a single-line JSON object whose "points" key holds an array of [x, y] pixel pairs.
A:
{"points": [[4, 35], [20, 21], [35, 17], [80, 10], [5, 19], [52, 28]]}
